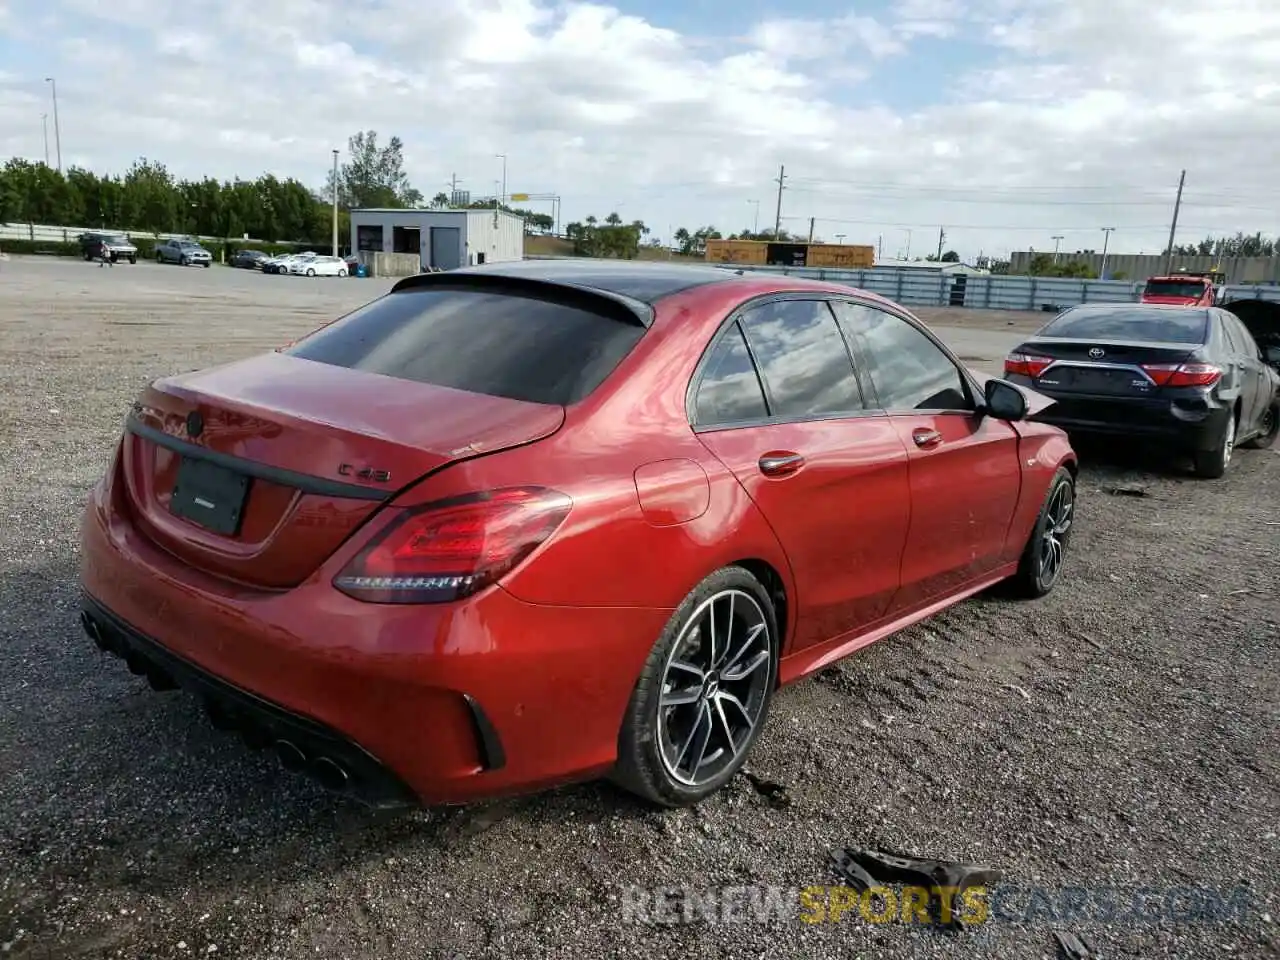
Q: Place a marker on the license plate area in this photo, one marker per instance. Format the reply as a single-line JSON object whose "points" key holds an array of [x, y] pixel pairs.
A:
{"points": [[209, 496], [1093, 379]]}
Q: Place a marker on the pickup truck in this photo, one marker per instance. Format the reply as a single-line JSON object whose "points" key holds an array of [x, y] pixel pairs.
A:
{"points": [[184, 252], [1184, 289], [118, 246]]}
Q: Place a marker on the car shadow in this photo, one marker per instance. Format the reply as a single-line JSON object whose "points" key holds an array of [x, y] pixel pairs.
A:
{"points": [[108, 778]]}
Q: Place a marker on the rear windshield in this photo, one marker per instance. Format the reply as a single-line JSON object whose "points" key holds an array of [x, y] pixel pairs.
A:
{"points": [[1153, 325], [501, 344], [1175, 288]]}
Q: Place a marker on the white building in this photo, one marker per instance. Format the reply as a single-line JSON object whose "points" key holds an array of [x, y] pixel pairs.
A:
{"points": [[445, 239], [929, 266]]}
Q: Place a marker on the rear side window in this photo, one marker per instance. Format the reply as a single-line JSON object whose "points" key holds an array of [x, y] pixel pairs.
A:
{"points": [[803, 359], [500, 344], [730, 391], [1170, 325]]}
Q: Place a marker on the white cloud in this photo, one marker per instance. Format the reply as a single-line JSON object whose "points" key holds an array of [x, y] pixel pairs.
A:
{"points": [[1080, 115]]}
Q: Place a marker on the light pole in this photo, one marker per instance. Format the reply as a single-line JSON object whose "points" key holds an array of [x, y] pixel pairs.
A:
{"points": [[503, 158], [755, 224], [335, 203], [57, 131], [44, 122], [840, 236], [1106, 238], [1057, 239]]}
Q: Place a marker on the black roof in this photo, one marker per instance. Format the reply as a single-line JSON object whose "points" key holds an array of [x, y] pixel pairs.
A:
{"points": [[643, 281]]}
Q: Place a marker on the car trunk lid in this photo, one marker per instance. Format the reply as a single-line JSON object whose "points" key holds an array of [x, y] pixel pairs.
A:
{"points": [[258, 470], [1103, 368]]}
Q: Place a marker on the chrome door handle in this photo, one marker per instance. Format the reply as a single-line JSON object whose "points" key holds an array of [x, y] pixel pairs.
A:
{"points": [[926, 438], [780, 464]]}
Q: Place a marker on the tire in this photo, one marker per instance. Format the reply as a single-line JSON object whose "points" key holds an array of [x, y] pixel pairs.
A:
{"points": [[208, 265], [1212, 464], [1036, 574], [1270, 429], [311, 271], [342, 271], [134, 258], [184, 262], [744, 672]]}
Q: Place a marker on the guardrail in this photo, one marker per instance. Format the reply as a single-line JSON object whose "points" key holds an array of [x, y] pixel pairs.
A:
{"points": [[992, 291], [43, 233]]}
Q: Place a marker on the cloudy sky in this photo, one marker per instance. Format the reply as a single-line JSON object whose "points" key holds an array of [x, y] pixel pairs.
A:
{"points": [[1004, 121]]}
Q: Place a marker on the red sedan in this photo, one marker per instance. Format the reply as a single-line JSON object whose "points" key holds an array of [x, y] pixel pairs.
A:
{"points": [[525, 524]]}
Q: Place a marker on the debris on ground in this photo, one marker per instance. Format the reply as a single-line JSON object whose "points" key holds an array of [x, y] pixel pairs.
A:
{"points": [[1021, 690], [1073, 948], [1126, 491], [862, 868]]}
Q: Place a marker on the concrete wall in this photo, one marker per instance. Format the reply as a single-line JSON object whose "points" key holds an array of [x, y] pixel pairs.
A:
{"points": [[1142, 266], [391, 264], [499, 244]]}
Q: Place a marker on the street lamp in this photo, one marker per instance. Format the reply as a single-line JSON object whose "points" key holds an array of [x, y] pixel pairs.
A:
{"points": [[840, 236], [44, 122], [755, 224], [57, 132], [1106, 237], [1057, 239], [503, 158], [335, 203]]}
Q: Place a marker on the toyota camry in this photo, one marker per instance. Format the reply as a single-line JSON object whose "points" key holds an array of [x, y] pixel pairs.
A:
{"points": [[525, 524]]}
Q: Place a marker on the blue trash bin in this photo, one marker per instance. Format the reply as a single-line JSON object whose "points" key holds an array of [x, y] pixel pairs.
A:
{"points": [[361, 270]]}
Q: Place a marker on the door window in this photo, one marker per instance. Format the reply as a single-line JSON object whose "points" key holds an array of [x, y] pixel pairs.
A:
{"points": [[730, 391], [907, 368], [804, 362]]}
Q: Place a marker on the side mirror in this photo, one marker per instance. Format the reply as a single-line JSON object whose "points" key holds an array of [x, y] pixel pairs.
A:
{"points": [[1004, 400]]}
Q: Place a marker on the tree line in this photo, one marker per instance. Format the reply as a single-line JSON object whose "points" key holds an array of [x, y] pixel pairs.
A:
{"points": [[148, 197]]}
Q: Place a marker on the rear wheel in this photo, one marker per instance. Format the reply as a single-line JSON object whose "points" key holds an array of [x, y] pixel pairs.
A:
{"points": [[1045, 553], [342, 271], [1269, 428], [704, 693], [1212, 464], [134, 258], [311, 271]]}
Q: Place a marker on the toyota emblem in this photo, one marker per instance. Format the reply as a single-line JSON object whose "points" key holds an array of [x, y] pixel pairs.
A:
{"points": [[1097, 353]]}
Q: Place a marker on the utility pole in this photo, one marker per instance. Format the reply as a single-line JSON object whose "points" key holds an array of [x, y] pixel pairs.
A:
{"points": [[777, 218], [57, 130], [942, 236], [811, 222], [503, 158], [1173, 227], [1057, 240], [1106, 239], [879, 247], [908, 256], [44, 122], [755, 224], [335, 203]]}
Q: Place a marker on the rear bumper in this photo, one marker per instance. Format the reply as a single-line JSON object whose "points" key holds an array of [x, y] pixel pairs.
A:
{"points": [[440, 704], [1190, 423]]}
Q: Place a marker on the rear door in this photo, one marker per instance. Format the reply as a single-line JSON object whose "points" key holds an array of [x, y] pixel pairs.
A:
{"points": [[1255, 380], [965, 472], [777, 400]]}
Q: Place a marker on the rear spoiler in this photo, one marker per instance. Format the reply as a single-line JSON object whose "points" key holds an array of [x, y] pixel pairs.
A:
{"points": [[620, 307]]}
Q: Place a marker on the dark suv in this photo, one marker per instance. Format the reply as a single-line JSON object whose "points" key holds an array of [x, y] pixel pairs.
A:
{"points": [[117, 245]]}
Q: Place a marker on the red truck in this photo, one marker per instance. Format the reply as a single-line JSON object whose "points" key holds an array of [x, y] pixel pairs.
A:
{"points": [[1185, 289]]}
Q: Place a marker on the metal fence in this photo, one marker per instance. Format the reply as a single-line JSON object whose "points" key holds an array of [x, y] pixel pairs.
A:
{"points": [[991, 291], [43, 233]]}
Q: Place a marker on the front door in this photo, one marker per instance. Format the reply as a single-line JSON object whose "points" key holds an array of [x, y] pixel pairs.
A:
{"points": [[965, 473], [786, 415]]}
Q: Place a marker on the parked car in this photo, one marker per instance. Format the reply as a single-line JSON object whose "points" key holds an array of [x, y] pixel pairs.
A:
{"points": [[117, 244], [248, 259], [184, 252], [319, 266], [281, 264], [1191, 378], [528, 523]]}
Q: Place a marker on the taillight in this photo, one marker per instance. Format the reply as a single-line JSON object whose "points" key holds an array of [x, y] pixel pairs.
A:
{"points": [[454, 548], [1183, 374], [1026, 365]]}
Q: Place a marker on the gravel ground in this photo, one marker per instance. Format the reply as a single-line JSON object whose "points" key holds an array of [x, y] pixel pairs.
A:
{"points": [[1120, 733]]}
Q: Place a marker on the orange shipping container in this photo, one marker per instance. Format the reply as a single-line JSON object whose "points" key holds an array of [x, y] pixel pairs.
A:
{"points": [[737, 251], [841, 255]]}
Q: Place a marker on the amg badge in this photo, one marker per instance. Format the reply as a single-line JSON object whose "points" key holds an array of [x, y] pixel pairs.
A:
{"points": [[364, 473]]}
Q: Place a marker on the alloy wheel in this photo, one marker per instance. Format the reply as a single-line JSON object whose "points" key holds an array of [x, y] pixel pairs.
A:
{"points": [[1057, 524], [714, 687]]}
